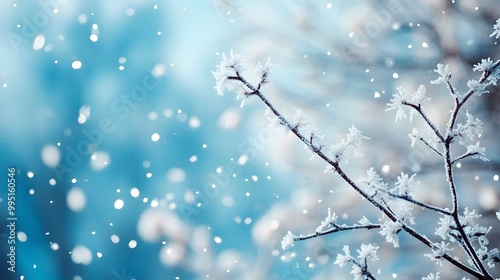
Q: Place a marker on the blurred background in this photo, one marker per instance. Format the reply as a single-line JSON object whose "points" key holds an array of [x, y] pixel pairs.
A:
{"points": [[129, 166]]}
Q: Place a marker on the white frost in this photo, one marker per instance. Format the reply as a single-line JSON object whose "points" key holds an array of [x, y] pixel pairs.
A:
{"points": [[288, 240]]}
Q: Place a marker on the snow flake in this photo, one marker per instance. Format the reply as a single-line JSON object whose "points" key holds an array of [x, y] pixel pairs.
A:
{"points": [[419, 97], [477, 87], [484, 65], [397, 103], [343, 259], [446, 225], [472, 229], [470, 129], [496, 30], [357, 272], [414, 135], [477, 152], [354, 140], [368, 251], [390, 230], [438, 251], [365, 222], [262, 71], [372, 182], [432, 276], [329, 221], [402, 211], [444, 74], [288, 240], [405, 185]]}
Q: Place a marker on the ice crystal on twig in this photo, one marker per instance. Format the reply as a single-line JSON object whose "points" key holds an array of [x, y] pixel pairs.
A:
{"points": [[496, 30], [432, 276], [288, 240], [227, 70], [339, 152], [438, 251], [390, 231]]}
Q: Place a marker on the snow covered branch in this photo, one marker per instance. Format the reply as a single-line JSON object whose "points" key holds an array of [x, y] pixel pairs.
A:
{"points": [[462, 129]]}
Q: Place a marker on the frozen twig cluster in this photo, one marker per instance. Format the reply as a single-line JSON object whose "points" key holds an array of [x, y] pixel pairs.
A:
{"points": [[456, 226]]}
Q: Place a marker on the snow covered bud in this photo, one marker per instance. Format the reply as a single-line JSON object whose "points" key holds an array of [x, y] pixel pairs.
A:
{"points": [[227, 72], [401, 102], [339, 151], [288, 240], [496, 30], [444, 74], [485, 66], [262, 71]]}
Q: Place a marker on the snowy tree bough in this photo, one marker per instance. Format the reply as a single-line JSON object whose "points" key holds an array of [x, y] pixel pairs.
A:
{"points": [[395, 202]]}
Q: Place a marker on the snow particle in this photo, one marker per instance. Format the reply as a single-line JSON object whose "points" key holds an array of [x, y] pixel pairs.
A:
{"points": [[32, 191], [115, 238], [158, 70], [386, 168], [82, 18], [81, 255], [243, 159], [99, 160], [495, 178], [155, 137], [176, 175], [22, 236], [217, 239], [227, 201], [132, 244], [395, 75], [54, 246], [193, 158], [194, 122], [181, 116], [39, 42], [51, 155], [30, 174], [119, 204], [76, 64], [172, 254], [76, 199], [94, 37], [329, 5], [134, 192], [52, 181], [129, 12]]}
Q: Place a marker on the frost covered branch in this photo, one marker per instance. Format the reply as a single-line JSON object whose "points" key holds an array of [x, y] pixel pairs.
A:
{"points": [[327, 226], [394, 202]]}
